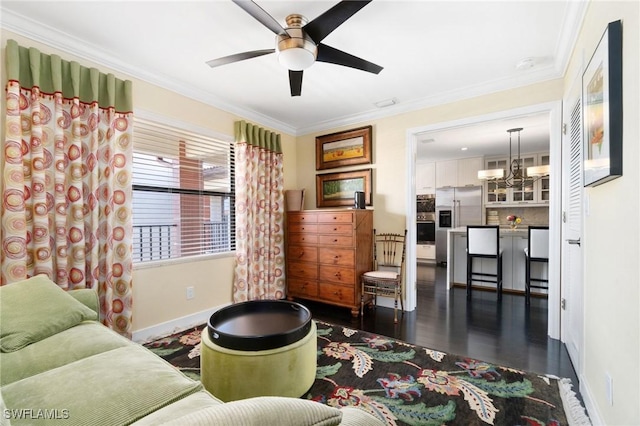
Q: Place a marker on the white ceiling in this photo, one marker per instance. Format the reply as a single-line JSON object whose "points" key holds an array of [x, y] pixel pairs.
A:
{"points": [[489, 138], [432, 52]]}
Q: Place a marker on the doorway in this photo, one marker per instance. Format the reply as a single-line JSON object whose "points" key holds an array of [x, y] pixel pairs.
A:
{"points": [[554, 111]]}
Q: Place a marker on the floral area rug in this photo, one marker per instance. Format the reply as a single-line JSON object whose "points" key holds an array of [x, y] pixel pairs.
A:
{"points": [[404, 384]]}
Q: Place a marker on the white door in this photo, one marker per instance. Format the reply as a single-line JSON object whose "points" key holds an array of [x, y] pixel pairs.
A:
{"points": [[572, 331]]}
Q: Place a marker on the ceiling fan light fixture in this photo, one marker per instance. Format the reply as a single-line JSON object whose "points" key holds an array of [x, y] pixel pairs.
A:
{"points": [[296, 58], [296, 50]]}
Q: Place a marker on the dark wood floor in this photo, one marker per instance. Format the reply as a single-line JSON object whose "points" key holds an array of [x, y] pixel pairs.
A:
{"points": [[506, 333]]}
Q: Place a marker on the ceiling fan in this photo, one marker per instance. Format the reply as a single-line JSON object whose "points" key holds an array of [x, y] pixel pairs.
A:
{"points": [[299, 44]]}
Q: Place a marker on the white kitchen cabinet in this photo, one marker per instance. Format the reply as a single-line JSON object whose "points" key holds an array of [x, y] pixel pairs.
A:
{"points": [[426, 251], [524, 193], [519, 263], [446, 173], [468, 171], [506, 244], [543, 188], [494, 194], [426, 178], [459, 258]]}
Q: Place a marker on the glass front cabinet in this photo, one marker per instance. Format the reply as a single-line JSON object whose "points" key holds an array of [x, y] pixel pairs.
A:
{"points": [[528, 191], [495, 193], [524, 191], [543, 184]]}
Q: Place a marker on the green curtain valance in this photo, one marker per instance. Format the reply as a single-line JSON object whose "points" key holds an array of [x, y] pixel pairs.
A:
{"points": [[257, 136], [52, 74]]}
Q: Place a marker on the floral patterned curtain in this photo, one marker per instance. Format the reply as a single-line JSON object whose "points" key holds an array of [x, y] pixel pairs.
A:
{"points": [[67, 179], [259, 270]]}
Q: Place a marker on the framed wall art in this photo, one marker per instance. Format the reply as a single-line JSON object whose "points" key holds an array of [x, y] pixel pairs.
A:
{"points": [[346, 148], [602, 109], [338, 189]]}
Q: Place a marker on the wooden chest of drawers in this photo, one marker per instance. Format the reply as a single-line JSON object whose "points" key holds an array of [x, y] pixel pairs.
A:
{"points": [[327, 251]]}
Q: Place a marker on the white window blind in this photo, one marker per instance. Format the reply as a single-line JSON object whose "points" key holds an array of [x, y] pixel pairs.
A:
{"points": [[183, 193]]}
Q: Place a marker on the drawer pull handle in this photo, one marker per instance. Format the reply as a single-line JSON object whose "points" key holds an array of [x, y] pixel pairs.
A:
{"points": [[336, 293], [336, 257], [335, 229], [335, 218], [337, 275], [335, 241], [301, 253]]}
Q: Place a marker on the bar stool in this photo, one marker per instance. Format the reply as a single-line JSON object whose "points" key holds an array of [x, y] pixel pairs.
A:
{"points": [[484, 242], [537, 251]]}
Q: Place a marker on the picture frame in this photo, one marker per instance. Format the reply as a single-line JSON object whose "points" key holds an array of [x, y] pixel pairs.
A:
{"points": [[602, 109], [347, 148], [338, 189]]}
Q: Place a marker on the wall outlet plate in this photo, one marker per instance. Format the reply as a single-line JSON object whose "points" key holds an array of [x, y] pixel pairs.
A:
{"points": [[191, 293], [609, 388]]}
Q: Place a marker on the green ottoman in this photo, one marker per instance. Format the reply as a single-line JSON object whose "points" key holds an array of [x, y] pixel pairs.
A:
{"points": [[233, 365]]}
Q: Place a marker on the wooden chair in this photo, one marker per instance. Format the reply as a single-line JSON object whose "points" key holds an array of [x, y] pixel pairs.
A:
{"points": [[483, 242], [386, 278], [537, 251]]}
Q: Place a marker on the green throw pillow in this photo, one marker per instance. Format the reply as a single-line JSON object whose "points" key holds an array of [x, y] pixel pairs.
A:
{"points": [[34, 309], [263, 410]]}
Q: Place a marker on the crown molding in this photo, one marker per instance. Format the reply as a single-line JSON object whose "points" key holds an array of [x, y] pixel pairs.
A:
{"points": [[60, 40], [572, 23], [529, 77]]}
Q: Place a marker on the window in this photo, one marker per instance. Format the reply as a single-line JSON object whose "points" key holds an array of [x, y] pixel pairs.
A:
{"points": [[183, 194]]}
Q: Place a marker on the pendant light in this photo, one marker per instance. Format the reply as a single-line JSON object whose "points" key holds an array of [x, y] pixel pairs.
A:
{"points": [[515, 175]]}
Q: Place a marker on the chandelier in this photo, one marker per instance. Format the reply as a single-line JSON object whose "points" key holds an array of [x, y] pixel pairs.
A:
{"points": [[516, 175]]}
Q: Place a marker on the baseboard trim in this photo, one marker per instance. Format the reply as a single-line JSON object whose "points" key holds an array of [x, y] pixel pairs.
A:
{"points": [[174, 326], [589, 402]]}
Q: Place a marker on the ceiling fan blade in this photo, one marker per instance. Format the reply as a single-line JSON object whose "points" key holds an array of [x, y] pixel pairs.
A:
{"points": [[238, 57], [324, 24], [295, 82], [338, 57], [261, 16]]}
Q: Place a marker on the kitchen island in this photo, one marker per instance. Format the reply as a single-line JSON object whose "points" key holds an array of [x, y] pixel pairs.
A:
{"points": [[512, 243]]}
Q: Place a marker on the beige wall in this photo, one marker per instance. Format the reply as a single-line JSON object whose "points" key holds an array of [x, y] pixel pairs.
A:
{"points": [[611, 236], [159, 293], [390, 146]]}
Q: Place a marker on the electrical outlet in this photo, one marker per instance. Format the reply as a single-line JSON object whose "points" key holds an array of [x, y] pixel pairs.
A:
{"points": [[609, 387], [191, 293]]}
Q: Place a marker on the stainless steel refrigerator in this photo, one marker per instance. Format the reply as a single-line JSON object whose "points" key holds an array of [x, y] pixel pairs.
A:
{"points": [[455, 207]]}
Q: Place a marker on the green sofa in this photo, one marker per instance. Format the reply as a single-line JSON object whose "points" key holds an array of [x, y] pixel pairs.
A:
{"points": [[59, 365]]}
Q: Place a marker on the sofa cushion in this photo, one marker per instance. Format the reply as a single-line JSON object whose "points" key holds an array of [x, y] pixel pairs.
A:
{"points": [[88, 297], [111, 388], [187, 405], [34, 309], [260, 411], [84, 340]]}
